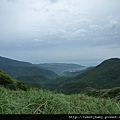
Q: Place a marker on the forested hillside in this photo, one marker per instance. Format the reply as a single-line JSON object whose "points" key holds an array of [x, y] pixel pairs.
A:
{"points": [[105, 75], [17, 69]]}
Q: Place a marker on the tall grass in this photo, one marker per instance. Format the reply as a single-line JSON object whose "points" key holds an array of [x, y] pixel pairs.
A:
{"points": [[36, 101]]}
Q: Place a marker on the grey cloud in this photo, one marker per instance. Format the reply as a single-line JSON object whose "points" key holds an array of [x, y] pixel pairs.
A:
{"points": [[74, 35], [53, 1], [94, 27], [12, 0], [113, 24], [35, 9], [85, 21]]}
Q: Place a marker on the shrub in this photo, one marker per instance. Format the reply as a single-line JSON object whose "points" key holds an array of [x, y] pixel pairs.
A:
{"points": [[21, 86]]}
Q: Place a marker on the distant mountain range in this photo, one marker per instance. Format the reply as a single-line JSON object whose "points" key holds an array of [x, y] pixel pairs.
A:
{"points": [[62, 68]]}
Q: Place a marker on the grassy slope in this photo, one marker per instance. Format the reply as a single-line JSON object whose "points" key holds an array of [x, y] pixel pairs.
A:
{"points": [[105, 93], [26, 102], [71, 88], [11, 83]]}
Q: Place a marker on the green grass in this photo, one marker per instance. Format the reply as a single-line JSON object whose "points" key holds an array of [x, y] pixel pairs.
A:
{"points": [[45, 102]]}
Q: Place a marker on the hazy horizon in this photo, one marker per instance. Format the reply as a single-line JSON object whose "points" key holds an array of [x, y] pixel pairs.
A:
{"points": [[84, 32], [87, 63]]}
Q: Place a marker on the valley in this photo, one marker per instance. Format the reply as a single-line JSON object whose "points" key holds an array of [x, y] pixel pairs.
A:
{"points": [[61, 68]]}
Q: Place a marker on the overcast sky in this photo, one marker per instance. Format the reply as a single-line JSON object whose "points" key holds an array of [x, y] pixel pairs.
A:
{"points": [[76, 31]]}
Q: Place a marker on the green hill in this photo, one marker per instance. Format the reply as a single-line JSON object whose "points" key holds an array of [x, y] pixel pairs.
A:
{"points": [[11, 83], [34, 79], [37, 81], [17, 69], [105, 75], [15, 72]]}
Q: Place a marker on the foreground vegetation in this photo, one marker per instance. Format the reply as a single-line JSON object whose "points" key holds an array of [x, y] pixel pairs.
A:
{"points": [[106, 93], [36, 101]]}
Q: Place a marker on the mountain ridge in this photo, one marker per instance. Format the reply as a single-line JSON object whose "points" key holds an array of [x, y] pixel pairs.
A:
{"points": [[103, 76], [16, 68]]}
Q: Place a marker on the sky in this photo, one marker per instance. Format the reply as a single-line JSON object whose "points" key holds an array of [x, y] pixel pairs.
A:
{"points": [[85, 32]]}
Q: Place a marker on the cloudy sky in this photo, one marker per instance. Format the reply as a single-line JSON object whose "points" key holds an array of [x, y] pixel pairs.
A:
{"points": [[73, 31]]}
